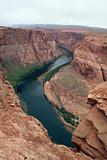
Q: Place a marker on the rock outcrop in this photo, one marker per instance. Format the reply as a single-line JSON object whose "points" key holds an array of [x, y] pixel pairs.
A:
{"points": [[23, 137], [91, 135], [72, 84], [90, 58], [67, 89]]}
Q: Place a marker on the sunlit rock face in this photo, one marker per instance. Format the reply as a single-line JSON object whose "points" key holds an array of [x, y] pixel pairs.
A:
{"points": [[91, 135]]}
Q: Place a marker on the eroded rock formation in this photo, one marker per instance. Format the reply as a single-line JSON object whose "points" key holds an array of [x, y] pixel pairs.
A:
{"points": [[91, 134], [22, 50], [22, 136], [34, 46], [72, 84], [90, 58], [26, 46], [67, 89]]}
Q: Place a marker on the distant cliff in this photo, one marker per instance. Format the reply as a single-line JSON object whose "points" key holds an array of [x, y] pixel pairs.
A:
{"points": [[34, 46], [22, 51]]}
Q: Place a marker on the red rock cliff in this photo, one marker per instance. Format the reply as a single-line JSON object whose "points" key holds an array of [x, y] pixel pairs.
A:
{"points": [[22, 136], [90, 58], [91, 134], [72, 83], [34, 46], [26, 46]]}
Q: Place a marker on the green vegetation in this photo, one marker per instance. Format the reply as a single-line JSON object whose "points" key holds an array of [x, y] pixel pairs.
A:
{"points": [[69, 117], [58, 98], [50, 74], [14, 73]]}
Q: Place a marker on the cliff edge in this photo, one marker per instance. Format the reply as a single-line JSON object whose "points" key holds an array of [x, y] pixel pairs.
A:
{"points": [[23, 137], [91, 135]]}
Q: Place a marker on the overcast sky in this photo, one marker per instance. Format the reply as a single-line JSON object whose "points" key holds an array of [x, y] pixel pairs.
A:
{"points": [[74, 12]]}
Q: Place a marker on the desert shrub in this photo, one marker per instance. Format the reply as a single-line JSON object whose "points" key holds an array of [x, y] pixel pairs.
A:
{"points": [[69, 117]]}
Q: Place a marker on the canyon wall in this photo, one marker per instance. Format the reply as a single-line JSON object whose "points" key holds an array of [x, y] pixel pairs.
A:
{"points": [[91, 58], [91, 135], [24, 50], [72, 83], [67, 39], [23, 137], [70, 86], [34, 46], [69, 90], [26, 46]]}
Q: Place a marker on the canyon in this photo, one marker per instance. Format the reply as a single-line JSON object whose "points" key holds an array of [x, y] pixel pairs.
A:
{"points": [[21, 49], [73, 83], [23, 136]]}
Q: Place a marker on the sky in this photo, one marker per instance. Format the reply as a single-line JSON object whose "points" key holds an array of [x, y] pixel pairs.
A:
{"points": [[67, 12]]}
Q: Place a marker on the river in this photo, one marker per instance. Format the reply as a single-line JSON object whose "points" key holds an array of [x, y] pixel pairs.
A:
{"points": [[32, 93]]}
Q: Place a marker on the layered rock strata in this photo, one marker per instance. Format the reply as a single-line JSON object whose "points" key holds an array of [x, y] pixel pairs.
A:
{"points": [[23, 50], [22, 136], [26, 46], [34, 46], [67, 89], [91, 135], [72, 84], [90, 58]]}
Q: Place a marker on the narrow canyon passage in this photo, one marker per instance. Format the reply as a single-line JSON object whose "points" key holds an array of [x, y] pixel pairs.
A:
{"points": [[32, 93]]}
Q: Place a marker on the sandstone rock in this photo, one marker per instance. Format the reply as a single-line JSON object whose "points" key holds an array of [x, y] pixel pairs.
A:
{"points": [[99, 94], [91, 134], [26, 46], [22, 136], [72, 84], [90, 58], [22, 46], [85, 63], [67, 89]]}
